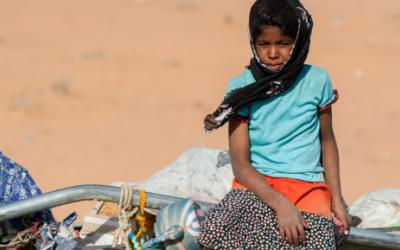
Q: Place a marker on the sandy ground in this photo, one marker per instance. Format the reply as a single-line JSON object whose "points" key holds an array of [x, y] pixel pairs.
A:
{"points": [[96, 91]]}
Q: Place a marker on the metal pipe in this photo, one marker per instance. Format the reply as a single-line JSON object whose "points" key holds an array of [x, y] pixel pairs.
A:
{"points": [[155, 201], [374, 238], [81, 193]]}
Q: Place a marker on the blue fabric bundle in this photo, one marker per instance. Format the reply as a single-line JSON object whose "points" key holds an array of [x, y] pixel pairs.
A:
{"points": [[16, 184]]}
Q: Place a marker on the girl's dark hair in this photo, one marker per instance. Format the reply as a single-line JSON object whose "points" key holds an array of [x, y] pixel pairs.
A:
{"points": [[272, 12]]}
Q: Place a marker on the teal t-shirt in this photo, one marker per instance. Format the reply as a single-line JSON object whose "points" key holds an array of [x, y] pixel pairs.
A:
{"points": [[284, 130]]}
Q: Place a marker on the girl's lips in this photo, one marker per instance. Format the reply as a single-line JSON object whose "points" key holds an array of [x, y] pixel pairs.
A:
{"points": [[275, 67]]}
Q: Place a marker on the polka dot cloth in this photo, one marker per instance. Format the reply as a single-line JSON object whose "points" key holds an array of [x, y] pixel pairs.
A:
{"points": [[243, 221]]}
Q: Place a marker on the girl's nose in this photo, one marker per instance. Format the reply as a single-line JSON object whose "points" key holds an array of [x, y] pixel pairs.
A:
{"points": [[273, 53]]}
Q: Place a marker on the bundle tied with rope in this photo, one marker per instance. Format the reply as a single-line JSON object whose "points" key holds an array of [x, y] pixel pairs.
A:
{"points": [[126, 211]]}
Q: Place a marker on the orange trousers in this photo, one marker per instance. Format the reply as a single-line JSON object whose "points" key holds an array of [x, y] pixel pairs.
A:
{"points": [[312, 197]]}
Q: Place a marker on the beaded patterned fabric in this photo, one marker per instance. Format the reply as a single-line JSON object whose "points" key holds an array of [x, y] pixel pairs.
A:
{"points": [[243, 221], [16, 184]]}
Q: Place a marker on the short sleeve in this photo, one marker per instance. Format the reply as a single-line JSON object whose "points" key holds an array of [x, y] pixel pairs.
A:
{"points": [[243, 112], [328, 95]]}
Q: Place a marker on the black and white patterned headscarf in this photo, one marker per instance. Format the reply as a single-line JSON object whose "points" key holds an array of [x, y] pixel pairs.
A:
{"points": [[268, 83]]}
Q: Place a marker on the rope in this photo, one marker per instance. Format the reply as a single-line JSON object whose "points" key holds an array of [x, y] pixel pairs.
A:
{"points": [[125, 212], [22, 238], [141, 219]]}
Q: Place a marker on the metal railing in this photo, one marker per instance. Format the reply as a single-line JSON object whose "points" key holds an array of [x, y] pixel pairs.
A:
{"points": [[368, 237]]}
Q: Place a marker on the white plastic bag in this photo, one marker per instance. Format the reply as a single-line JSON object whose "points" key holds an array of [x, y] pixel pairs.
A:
{"points": [[201, 173], [378, 209]]}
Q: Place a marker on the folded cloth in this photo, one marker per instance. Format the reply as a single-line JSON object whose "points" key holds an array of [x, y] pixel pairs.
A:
{"points": [[243, 221], [16, 184]]}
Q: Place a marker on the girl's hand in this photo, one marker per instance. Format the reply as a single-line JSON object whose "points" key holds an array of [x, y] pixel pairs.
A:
{"points": [[291, 224], [340, 215]]}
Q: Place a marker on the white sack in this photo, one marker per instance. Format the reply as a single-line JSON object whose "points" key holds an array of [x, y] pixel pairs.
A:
{"points": [[380, 208], [201, 173]]}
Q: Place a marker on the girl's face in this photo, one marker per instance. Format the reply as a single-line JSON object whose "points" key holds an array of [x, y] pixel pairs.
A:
{"points": [[273, 48]]}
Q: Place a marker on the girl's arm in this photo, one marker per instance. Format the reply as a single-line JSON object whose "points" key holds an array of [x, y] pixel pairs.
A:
{"points": [[290, 221], [330, 161]]}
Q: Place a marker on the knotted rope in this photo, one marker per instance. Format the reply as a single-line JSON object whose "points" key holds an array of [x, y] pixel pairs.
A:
{"points": [[124, 214]]}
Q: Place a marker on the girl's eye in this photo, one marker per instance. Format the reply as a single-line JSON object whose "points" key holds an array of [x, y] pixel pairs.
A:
{"points": [[285, 44]]}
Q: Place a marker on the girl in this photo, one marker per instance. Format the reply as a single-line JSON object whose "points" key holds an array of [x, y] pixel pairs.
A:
{"points": [[283, 150]]}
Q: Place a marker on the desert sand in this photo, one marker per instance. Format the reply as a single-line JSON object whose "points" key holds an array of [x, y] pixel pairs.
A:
{"points": [[97, 91]]}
